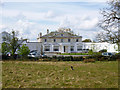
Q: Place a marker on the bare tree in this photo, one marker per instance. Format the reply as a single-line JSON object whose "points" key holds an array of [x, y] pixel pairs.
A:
{"points": [[110, 23]]}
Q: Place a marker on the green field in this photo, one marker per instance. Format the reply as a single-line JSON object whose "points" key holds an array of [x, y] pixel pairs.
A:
{"points": [[34, 74]]}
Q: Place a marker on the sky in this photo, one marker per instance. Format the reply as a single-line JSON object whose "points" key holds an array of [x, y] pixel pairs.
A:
{"points": [[35, 16]]}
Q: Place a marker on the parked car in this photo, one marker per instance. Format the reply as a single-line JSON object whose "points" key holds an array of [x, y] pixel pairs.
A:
{"points": [[107, 54], [43, 55], [36, 54]]}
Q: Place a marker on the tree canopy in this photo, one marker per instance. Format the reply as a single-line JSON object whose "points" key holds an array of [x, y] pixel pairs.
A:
{"points": [[87, 40], [23, 51]]}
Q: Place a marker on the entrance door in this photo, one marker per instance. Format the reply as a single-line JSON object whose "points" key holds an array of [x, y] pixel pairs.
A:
{"points": [[64, 48]]}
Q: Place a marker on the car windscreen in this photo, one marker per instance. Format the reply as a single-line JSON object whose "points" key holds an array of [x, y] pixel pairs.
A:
{"points": [[109, 53]]}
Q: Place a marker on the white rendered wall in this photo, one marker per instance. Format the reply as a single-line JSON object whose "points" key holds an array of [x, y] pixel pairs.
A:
{"points": [[99, 46]]}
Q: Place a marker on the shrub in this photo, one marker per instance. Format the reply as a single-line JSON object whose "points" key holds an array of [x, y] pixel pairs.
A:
{"points": [[62, 58], [89, 60], [103, 50]]}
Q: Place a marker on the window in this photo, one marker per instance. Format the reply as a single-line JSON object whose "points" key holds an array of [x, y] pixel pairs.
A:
{"points": [[47, 48], [56, 48], [77, 40], [61, 34], [54, 40], [61, 40], [72, 48], [68, 40], [45, 40], [79, 48]]}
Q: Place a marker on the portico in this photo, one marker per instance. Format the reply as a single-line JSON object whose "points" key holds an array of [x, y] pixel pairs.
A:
{"points": [[62, 47]]}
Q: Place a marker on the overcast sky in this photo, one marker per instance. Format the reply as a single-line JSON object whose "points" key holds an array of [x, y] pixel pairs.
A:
{"points": [[31, 18]]}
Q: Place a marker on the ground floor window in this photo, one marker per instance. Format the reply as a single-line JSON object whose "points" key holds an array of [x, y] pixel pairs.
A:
{"points": [[79, 48], [72, 48], [56, 48], [47, 48]]}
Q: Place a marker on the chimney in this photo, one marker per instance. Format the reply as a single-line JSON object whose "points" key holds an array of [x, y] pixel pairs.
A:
{"points": [[40, 35], [47, 31]]}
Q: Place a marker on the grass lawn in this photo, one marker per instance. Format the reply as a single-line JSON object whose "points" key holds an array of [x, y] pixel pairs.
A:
{"points": [[34, 74]]}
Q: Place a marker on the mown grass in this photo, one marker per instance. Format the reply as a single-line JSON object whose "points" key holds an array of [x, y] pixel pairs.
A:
{"points": [[31, 74]]}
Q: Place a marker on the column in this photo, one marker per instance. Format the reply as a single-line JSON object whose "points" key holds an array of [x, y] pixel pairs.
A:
{"points": [[69, 49], [62, 49], [43, 47], [51, 48], [59, 49], [75, 47]]}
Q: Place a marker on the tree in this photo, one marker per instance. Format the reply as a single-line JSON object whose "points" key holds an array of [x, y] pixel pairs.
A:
{"points": [[110, 23], [5, 48], [87, 40], [13, 43], [23, 51]]}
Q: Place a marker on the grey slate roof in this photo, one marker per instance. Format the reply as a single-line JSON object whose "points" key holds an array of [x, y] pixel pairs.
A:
{"points": [[57, 34]]}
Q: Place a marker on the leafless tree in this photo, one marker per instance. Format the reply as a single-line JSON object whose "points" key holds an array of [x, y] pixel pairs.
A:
{"points": [[110, 23]]}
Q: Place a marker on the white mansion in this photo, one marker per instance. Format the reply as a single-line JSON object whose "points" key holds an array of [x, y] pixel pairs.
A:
{"points": [[65, 41], [61, 41]]}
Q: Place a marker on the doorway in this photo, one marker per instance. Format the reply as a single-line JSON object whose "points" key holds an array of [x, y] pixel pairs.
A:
{"points": [[64, 48]]}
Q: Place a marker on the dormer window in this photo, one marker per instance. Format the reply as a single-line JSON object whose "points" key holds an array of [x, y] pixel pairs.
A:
{"points": [[61, 34], [77, 40], [68, 40], [45, 40], [54, 40], [61, 40]]}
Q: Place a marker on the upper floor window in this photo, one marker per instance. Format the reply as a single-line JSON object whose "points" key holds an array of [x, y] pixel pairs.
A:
{"points": [[61, 34], [77, 40], [54, 40], [61, 40], [45, 40], [68, 40]]}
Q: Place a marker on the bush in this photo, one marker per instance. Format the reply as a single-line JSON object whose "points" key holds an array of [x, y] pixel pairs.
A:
{"points": [[104, 58], [5, 57], [61, 58], [89, 60], [103, 50]]}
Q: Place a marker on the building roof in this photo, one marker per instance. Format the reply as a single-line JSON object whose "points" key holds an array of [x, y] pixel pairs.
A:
{"points": [[67, 33]]}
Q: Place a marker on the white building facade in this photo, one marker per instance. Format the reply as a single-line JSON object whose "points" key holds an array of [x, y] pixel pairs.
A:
{"points": [[96, 47], [61, 41]]}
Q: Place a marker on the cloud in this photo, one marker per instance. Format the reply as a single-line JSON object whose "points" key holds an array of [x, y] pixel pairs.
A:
{"points": [[30, 30], [80, 19], [54, 0]]}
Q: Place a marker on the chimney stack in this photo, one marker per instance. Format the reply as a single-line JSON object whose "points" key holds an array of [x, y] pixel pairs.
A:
{"points": [[40, 35], [47, 31]]}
